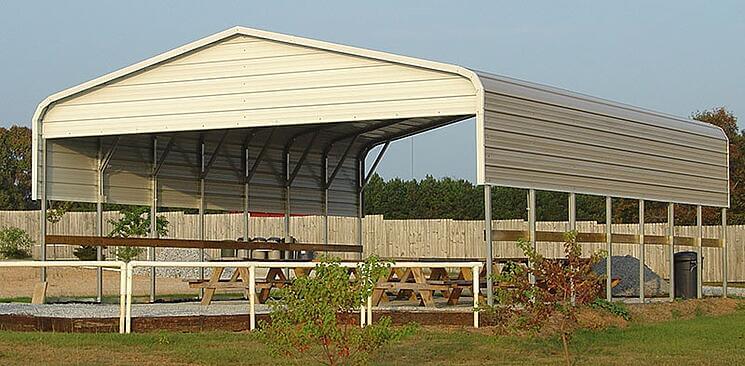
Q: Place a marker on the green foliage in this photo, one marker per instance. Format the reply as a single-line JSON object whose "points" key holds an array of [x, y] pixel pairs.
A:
{"points": [[15, 168], [85, 253], [135, 222], [545, 297], [616, 308], [15, 243], [309, 317]]}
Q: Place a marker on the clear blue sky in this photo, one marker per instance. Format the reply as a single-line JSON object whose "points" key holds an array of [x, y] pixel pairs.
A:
{"points": [[675, 56]]}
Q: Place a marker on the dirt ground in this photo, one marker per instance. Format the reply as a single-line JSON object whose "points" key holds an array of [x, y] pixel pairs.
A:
{"points": [[19, 282]]}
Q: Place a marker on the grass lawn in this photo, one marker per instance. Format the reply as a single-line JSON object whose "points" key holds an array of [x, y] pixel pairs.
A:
{"points": [[702, 340]]}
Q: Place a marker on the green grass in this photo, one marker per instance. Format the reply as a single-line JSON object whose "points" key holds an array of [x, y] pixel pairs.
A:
{"points": [[702, 340]]}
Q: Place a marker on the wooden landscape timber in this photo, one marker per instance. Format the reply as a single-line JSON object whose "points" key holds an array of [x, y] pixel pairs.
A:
{"points": [[197, 244], [556, 236]]}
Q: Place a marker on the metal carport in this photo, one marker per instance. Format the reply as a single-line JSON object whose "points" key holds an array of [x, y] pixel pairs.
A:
{"points": [[258, 121]]}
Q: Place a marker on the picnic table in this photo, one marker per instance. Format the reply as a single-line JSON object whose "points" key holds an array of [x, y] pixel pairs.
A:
{"points": [[274, 278]]}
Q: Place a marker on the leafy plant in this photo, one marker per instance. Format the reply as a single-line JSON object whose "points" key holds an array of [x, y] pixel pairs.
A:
{"points": [[135, 222], [549, 303], [309, 317], [85, 253], [615, 308], [15, 243]]}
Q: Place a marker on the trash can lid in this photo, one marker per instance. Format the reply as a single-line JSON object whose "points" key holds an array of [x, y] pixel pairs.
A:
{"points": [[685, 256]]}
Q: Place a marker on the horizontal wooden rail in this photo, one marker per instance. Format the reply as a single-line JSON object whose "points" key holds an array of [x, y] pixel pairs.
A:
{"points": [[555, 236], [197, 244]]}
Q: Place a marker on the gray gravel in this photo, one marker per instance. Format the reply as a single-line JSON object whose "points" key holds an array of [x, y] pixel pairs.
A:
{"points": [[627, 269], [717, 291], [138, 310]]}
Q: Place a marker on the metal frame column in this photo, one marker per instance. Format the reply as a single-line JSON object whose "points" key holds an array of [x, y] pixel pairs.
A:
{"points": [[724, 253], [608, 248], [153, 216], [641, 250], [99, 221], [671, 242], [532, 225], [699, 249], [43, 209], [489, 245]]}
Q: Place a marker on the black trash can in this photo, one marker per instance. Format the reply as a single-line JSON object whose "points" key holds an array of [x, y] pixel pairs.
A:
{"points": [[686, 277]]}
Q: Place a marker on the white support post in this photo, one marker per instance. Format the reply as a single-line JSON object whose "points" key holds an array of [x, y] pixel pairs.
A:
{"points": [[641, 251], [724, 252], [699, 249], [43, 209], [123, 298], [476, 280], [369, 311], [287, 201], [252, 295], [608, 248], [489, 245], [128, 287], [670, 240], [532, 225]]}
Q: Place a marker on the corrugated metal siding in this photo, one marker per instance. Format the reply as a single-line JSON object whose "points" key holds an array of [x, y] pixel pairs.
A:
{"points": [[72, 169], [246, 82], [549, 139]]}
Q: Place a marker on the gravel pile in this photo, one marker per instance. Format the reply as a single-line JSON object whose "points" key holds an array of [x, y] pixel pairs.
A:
{"points": [[179, 255], [627, 269]]}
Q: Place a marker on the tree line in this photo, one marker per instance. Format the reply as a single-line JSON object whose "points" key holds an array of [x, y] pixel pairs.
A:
{"points": [[435, 198]]}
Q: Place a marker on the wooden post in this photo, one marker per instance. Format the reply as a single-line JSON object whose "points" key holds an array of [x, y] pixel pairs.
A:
{"points": [[608, 248], [641, 251], [489, 245]]}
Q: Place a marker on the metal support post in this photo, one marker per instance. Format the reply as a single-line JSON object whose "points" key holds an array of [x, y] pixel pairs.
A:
{"points": [[670, 240], [641, 251], [532, 225], [608, 248], [699, 249], [489, 245]]}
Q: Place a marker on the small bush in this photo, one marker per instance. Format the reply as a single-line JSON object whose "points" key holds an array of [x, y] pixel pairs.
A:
{"points": [[615, 308], [311, 316], [15, 243], [85, 253], [135, 222]]}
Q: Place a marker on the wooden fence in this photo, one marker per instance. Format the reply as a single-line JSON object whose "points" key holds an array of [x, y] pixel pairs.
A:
{"points": [[403, 238]]}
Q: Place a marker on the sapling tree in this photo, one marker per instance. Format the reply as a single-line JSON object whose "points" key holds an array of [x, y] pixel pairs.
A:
{"points": [[551, 302], [311, 316], [135, 222]]}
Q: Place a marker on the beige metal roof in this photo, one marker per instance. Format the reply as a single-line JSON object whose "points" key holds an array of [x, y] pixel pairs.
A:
{"points": [[244, 82]]}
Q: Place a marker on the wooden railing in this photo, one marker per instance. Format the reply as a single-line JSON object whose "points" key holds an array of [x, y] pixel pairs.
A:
{"points": [[555, 236]]}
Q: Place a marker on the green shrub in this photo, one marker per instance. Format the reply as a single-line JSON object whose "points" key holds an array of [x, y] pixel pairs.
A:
{"points": [[85, 253], [615, 308], [15, 243], [311, 316], [135, 222]]}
